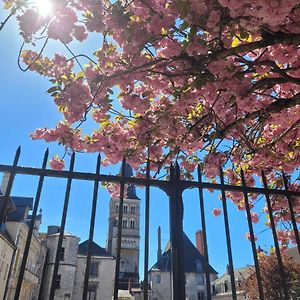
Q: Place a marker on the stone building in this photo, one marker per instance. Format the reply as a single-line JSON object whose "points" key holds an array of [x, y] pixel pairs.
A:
{"points": [[13, 234], [7, 249], [101, 275], [67, 264], [222, 286], [160, 274], [129, 264]]}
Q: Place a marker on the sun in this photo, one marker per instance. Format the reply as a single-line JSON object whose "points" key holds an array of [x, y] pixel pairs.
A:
{"points": [[44, 7]]}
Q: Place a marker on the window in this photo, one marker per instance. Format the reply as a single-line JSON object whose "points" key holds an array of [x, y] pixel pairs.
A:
{"points": [[117, 208], [62, 254], [125, 209], [200, 296], [158, 279], [57, 284], [198, 266], [92, 292], [199, 278], [94, 267], [132, 224], [125, 223], [132, 208], [115, 222], [67, 297], [214, 289], [225, 287]]}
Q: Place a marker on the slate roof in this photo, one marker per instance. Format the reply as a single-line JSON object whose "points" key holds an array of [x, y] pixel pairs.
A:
{"points": [[19, 205], [96, 249], [131, 192], [240, 274], [191, 256], [22, 205]]}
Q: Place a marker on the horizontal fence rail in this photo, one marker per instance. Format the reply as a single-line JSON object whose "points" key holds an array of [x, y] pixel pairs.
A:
{"points": [[174, 188]]}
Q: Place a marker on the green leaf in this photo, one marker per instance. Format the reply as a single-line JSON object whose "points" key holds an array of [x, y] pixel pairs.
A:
{"points": [[80, 75], [54, 89]]}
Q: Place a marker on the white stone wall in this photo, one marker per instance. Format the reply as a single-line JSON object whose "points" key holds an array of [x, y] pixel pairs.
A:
{"points": [[67, 267], [104, 281], [162, 290], [6, 253], [35, 262]]}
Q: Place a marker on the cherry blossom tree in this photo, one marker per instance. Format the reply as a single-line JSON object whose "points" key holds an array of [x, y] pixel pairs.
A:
{"points": [[197, 81], [271, 279]]}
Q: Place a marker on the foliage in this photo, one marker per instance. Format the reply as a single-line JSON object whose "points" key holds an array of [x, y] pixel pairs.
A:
{"points": [[271, 279], [213, 81]]}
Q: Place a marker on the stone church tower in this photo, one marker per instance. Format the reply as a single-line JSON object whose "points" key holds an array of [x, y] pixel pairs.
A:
{"points": [[129, 264]]}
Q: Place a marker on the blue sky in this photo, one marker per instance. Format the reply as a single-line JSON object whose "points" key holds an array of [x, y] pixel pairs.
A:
{"points": [[25, 106]]}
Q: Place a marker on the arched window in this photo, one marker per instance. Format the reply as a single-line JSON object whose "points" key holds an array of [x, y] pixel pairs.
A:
{"points": [[125, 209], [125, 223], [117, 208], [116, 222], [132, 208], [132, 223]]}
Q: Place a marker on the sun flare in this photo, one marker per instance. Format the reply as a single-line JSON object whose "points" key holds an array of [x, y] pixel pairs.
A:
{"points": [[44, 7]]}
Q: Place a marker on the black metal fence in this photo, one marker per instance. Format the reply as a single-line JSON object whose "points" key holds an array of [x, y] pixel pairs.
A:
{"points": [[174, 188]]}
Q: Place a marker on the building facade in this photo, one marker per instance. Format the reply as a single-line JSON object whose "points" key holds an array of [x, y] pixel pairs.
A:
{"points": [[13, 235], [130, 242], [64, 284], [101, 275], [160, 274]]}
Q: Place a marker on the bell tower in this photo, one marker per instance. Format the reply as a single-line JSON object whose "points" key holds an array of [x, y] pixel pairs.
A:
{"points": [[129, 263]]}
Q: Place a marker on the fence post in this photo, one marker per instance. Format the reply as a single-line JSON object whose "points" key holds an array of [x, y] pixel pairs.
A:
{"points": [[176, 234]]}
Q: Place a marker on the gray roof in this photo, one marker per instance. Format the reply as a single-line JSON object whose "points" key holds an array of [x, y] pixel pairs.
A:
{"points": [[19, 205], [191, 257], [240, 274], [22, 204], [96, 249]]}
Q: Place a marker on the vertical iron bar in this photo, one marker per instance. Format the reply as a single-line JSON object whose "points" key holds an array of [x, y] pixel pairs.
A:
{"points": [[176, 232], [227, 232], [62, 228], [91, 232], [253, 246], [31, 226], [273, 226], [292, 212], [203, 225], [147, 217], [9, 186], [117, 270]]}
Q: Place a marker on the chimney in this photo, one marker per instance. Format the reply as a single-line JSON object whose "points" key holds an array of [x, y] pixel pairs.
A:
{"points": [[228, 269], [199, 241], [4, 183], [158, 243]]}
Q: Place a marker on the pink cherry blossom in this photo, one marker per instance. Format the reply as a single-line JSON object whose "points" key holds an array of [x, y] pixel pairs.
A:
{"points": [[56, 163], [216, 212]]}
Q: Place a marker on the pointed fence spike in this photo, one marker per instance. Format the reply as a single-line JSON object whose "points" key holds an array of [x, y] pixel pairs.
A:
{"points": [[46, 155], [17, 156]]}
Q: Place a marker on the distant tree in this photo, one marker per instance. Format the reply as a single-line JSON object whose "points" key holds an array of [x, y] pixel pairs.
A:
{"points": [[271, 279]]}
